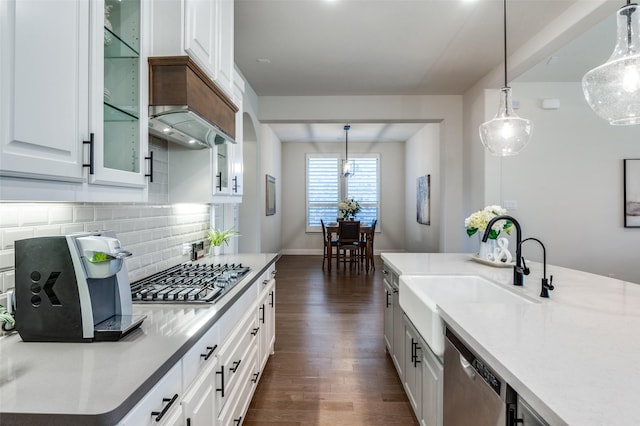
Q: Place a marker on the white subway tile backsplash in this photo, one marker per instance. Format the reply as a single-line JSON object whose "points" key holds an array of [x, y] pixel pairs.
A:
{"points": [[83, 214], [71, 228], [32, 214], [153, 233], [60, 214], [9, 215], [8, 280], [7, 259], [10, 235], [49, 230]]}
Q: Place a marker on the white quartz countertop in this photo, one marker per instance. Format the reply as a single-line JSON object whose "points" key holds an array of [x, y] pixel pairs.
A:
{"points": [[573, 357], [99, 382]]}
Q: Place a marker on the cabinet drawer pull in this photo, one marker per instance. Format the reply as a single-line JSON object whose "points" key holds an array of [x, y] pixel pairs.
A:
{"points": [[235, 184], [160, 414], [236, 364], [388, 294], [274, 272], [210, 350], [221, 388], [262, 313], [255, 331], [265, 282], [91, 154], [219, 185], [255, 377], [272, 301], [237, 421], [150, 174]]}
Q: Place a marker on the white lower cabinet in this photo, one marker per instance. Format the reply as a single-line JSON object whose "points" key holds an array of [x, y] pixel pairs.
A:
{"points": [[220, 372], [423, 377], [198, 404], [161, 404], [266, 321], [420, 370]]}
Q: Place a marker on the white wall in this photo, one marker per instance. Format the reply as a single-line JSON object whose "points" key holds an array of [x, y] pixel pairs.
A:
{"points": [[422, 157], [391, 236], [446, 110], [269, 157], [569, 183]]}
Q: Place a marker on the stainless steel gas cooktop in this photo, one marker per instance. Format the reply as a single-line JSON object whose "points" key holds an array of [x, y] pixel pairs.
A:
{"points": [[188, 283]]}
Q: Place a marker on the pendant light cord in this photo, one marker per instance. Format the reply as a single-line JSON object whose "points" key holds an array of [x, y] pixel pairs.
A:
{"points": [[505, 42]]}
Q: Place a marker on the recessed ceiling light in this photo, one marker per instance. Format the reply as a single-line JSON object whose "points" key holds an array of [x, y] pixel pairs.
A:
{"points": [[263, 60]]}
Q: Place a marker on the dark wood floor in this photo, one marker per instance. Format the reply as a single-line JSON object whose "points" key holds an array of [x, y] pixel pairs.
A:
{"points": [[330, 366]]}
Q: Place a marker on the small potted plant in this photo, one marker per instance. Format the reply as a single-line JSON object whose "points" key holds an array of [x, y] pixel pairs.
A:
{"points": [[217, 237], [6, 319]]}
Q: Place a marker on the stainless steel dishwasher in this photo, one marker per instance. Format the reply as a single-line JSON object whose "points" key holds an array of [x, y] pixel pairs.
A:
{"points": [[473, 393]]}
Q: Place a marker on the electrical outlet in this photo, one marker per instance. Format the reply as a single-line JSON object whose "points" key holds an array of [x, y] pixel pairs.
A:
{"points": [[511, 205]]}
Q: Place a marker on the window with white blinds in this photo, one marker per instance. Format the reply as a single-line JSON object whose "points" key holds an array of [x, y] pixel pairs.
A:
{"points": [[326, 187]]}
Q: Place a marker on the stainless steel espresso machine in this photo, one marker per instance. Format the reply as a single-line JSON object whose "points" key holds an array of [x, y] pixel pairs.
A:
{"points": [[73, 288]]}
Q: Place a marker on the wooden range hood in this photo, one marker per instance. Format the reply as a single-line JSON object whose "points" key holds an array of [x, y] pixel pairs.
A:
{"points": [[186, 106]]}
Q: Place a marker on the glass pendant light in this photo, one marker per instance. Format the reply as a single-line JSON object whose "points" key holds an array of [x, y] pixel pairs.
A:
{"points": [[506, 134], [612, 90], [348, 168]]}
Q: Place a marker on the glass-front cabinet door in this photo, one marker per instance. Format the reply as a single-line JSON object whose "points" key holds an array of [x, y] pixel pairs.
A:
{"points": [[222, 168], [120, 149]]}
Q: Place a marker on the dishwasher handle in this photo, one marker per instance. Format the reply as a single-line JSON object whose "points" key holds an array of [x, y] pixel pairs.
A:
{"points": [[467, 367]]}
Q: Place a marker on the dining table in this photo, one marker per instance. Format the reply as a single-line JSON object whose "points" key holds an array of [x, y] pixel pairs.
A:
{"points": [[366, 232]]}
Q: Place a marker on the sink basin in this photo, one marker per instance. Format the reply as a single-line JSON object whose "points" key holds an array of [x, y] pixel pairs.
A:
{"points": [[420, 296]]}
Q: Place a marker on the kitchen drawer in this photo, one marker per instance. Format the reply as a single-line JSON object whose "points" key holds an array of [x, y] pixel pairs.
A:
{"points": [[202, 353], [164, 396], [239, 400], [267, 277], [236, 312], [232, 357]]}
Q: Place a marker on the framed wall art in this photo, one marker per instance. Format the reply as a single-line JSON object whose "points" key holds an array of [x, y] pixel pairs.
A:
{"points": [[632, 193], [271, 196], [423, 200]]}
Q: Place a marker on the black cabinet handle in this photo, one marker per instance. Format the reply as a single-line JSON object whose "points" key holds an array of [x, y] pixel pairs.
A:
{"points": [[219, 186], [188, 421], [395, 291], [272, 301], [210, 350], [255, 331], [274, 272], [150, 174], [388, 294], [414, 352], [262, 313], [237, 421], [221, 389], [160, 414], [265, 282], [236, 364], [255, 377], [235, 184], [91, 154]]}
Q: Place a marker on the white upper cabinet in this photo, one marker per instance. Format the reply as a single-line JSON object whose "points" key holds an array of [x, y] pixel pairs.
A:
{"points": [[204, 31], [73, 99], [44, 88], [120, 90]]}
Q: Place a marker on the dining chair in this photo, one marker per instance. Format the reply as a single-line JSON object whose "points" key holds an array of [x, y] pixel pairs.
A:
{"points": [[369, 248], [328, 243], [349, 241]]}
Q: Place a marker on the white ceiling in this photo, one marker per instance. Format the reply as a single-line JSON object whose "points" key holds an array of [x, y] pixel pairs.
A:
{"points": [[393, 47]]}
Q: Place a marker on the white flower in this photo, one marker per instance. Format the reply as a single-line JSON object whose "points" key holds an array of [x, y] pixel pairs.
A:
{"points": [[479, 220]]}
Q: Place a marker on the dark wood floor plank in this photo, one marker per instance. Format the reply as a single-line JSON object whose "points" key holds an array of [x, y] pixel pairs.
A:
{"points": [[330, 365]]}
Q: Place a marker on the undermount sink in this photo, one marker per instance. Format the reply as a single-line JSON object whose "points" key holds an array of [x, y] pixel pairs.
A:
{"points": [[420, 296]]}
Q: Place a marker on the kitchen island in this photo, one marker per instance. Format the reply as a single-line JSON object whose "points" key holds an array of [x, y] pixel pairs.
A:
{"points": [[99, 383], [572, 357]]}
